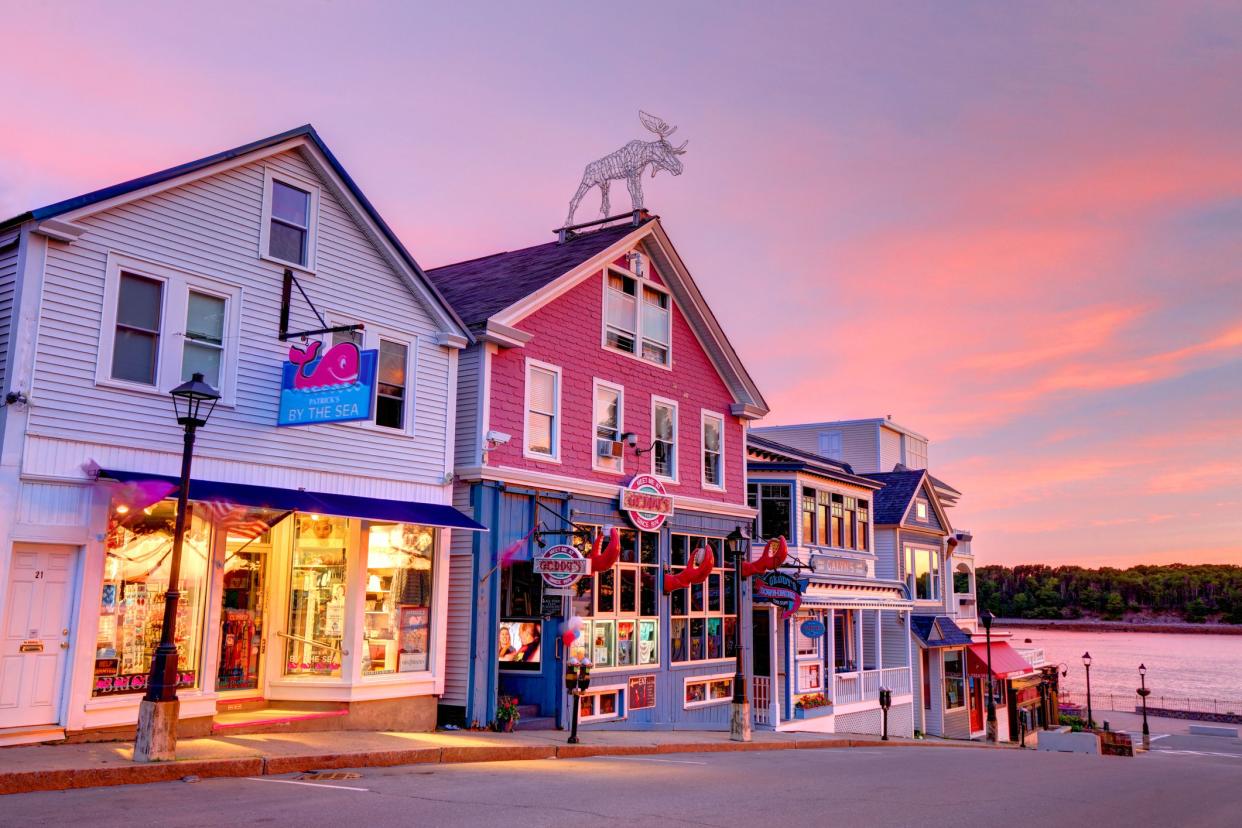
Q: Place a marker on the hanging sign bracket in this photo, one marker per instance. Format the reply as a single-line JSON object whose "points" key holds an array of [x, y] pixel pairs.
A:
{"points": [[286, 296]]}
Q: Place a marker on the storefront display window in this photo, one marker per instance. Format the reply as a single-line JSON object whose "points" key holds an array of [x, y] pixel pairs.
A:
{"points": [[316, 626], [397, 612], [707, 691], [954, 679], [138, 551], [620, 605], [703, 623]]}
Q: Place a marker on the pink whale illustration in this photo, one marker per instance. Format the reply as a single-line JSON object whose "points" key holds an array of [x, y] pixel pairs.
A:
{"points": [[339, 366]]}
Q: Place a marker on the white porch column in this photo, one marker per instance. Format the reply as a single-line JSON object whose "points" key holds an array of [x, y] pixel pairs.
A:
{"points": [[879, 640], [858, 635]]}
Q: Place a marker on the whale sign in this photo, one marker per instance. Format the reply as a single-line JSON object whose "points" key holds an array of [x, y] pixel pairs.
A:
{"points": [[336, 387]]}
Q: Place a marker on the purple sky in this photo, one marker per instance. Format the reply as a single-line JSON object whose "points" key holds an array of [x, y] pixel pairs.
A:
{"points": [[1017, 230]]}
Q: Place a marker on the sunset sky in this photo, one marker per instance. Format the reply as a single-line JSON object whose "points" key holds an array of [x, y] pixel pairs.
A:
{"points": [[1016, 228]]}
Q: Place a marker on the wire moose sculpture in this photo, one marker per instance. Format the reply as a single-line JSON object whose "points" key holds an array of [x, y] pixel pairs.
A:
{"points": [[629, 162]]}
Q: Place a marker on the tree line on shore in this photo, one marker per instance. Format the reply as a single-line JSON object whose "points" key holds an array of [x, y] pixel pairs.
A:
{"points": [[1193, 593]]}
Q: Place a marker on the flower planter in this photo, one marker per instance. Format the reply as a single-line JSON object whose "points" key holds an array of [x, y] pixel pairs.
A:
{"points": [[812, 712]]}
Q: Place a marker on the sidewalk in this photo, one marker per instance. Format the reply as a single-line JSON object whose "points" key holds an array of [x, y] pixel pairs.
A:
{"points": [[59, 767]]}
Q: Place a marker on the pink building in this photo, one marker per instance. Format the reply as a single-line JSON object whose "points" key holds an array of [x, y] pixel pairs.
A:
{"points": [[598, 369]]}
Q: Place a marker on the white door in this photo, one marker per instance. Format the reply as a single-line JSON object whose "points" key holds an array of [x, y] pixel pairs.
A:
{"points": [[35, 646]]}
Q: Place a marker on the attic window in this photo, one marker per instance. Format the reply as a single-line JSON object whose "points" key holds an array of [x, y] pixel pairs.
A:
{"points": [[290, 216], [920, 509], [637, 318]]}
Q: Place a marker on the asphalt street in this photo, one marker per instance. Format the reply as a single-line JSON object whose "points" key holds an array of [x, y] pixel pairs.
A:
{"points": [[924, 786]]}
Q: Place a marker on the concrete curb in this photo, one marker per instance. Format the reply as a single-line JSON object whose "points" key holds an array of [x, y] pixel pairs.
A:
{"points": [[134, 774]]}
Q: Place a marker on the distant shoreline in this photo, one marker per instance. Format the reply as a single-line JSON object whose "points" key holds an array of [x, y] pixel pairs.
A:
{"points": [[1119, 626]]}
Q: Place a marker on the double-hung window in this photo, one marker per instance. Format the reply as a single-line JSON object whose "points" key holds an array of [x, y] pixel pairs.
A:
{"points": [[163, 325], [808, 516], [609, 420], [772, 500], [391, 408], [713, 450], [290, 216], [822, 502], [543, 411], [923, 573], [664, 439], [637, 317]]}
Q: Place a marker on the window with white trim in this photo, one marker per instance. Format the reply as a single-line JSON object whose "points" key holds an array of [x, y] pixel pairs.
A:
{"points": [[713, 450], [543, 407], [609, 421], [703, 617], [637, 317], [595, 707], [702, 691], [923, 573], [620, 606], [290, 218], [920, 510], [664, 439], [392, 404], [161, 325]]}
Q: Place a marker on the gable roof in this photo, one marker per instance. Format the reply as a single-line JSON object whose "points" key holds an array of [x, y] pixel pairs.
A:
{"points": [[938, 631], [892, 502], [305, 132], [527, 279], [769, 455], [480, 288]]}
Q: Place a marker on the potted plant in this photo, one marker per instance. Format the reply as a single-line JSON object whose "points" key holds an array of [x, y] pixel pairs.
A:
{"points": [[507, 714], [812, 706]]}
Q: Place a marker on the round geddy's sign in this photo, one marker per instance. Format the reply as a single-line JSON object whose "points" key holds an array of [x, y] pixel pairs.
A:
{"points": [[646, 502], [561, 566]]}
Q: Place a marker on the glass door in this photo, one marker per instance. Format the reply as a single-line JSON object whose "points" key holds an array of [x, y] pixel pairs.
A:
{"points": [[243, 604]]}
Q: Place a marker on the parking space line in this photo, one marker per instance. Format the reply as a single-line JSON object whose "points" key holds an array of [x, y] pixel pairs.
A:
{"points": [[308, 784]]}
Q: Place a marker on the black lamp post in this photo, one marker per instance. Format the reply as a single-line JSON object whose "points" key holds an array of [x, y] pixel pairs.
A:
{"points": [[1143, 693], [992, 734], [193, 403], [1086, 662], [738, 543]]}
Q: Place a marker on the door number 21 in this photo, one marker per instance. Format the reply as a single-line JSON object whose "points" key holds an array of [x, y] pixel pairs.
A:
{"points": [[38, 574]]}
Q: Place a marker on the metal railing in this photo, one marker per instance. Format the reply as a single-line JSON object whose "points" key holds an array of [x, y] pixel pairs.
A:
{"points": [[330, 648], [1126, 702], [762, 700]]}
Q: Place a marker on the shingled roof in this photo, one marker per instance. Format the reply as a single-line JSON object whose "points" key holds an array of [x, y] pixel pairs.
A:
{"points": [[893, 500], [480, 288], [775, 456], [938, 631]]}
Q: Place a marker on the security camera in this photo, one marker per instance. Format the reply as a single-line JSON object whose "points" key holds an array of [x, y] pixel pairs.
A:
{"points": [[498, 438]]}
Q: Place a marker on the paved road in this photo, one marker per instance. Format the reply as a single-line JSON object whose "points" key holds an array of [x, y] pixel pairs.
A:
{"points": [[890, 786]]}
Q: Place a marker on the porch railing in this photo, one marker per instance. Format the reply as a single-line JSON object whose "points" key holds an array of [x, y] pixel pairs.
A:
{"points": [[849, 688], [761, 702]]}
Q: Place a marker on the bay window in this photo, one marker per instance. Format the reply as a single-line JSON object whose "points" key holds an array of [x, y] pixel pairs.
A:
{"points": [[703, 617], [823, 503], [637, 317]]}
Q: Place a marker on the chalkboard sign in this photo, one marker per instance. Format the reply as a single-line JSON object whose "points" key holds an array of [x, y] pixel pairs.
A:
{"points": [[553, 606]]}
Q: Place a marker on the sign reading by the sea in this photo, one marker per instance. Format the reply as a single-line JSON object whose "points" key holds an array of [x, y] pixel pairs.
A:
{"points": [[646, 502], [334, 388], [561, 566]]}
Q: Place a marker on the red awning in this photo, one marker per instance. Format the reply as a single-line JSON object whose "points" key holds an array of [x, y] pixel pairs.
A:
{"points": [[1006, 661]]}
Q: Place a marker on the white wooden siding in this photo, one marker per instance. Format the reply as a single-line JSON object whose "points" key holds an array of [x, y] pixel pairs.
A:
{"points": [[890, 449], [858, 442], [461, 588], [469, 407], [886, 565], [8, 285], [210, 227]]}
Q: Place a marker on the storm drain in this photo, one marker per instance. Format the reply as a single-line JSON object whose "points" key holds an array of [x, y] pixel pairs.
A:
{"points": [[332, 776]]}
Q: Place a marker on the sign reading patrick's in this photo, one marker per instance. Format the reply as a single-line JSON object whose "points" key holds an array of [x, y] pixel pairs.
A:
{"points": [[646, 502], [334, 388]]}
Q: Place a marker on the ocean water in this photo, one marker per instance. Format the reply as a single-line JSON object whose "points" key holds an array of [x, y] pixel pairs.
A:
{"points": [[1179, 666]]}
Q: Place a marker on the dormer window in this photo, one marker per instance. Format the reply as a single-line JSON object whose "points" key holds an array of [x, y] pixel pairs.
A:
{"points": [[637, 318], [920, 510], [290, 208]]}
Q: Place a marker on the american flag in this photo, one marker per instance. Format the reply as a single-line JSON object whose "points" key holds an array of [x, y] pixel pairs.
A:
{"points": [[238, 521]]}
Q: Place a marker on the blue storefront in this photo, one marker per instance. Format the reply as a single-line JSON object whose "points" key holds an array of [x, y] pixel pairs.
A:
{"points": [[662, 658]]}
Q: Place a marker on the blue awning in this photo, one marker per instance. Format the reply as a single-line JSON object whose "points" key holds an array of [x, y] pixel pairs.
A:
{"points": [[285, 500]]}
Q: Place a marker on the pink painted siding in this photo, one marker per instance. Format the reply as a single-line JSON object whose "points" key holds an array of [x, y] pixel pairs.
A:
{"points": [[567, 333]]}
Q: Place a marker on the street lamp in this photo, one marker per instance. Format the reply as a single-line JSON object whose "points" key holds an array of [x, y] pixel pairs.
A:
{"points": [[193, 403], [1143, 694], [738, 544], [1086, 662], [986, 619]]}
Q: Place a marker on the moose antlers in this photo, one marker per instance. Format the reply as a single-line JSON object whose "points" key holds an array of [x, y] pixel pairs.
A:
{"points": [[662, 129]]}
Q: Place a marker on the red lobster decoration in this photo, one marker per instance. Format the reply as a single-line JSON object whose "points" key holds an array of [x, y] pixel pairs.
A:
{"points": [[602, 559], [774, 554], [691, 574]]}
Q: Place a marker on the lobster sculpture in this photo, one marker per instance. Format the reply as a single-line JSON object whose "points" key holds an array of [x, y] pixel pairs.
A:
{"points": [[691, 574], [603, 559], [629, 162], [774, 554], [339, 366]]}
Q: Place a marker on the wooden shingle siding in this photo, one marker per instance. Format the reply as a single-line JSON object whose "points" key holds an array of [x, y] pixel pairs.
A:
{"points": [[8, 285], [210, 227]]}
